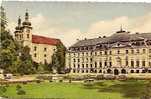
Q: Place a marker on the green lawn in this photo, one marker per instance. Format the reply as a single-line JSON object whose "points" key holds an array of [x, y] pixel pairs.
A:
{"points": [[102, 90]]}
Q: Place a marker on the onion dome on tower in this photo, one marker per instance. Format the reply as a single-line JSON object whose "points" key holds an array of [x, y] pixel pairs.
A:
{"points": [[26, 23], [18, 28]]}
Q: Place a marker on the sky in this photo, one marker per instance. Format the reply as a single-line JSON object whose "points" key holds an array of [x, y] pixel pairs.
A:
{"points": [[70, 21]]}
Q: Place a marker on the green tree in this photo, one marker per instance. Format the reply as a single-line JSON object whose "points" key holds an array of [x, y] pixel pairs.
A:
{"points": [[58, 58], [26, 66]]}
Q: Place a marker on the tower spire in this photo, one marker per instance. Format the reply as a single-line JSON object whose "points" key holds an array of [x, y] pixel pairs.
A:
{"points": [[19, 21], [121, 28], [26, 15]]}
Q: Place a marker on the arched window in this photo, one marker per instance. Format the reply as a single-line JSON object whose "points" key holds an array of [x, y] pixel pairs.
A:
{"points": [[132, 71], [123, 71]]}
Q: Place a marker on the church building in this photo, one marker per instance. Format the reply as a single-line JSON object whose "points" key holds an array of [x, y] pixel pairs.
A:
{"points": [[41, 48]]}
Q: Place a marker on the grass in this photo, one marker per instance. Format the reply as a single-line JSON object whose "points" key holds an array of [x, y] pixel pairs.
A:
{"points": [[101, 90]]}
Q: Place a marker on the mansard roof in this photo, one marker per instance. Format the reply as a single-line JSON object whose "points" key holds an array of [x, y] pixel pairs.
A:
{"points": [[44, 40], [117, 37]]}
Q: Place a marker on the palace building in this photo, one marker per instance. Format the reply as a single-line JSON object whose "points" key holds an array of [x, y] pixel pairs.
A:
{"points": [[120, 53], [41, 48]]}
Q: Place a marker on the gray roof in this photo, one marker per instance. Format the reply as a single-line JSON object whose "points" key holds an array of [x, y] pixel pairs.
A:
{"points": [[117, 37]]}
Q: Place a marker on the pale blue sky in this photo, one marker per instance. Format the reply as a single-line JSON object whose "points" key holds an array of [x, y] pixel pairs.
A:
{"points": [[75, 15]]}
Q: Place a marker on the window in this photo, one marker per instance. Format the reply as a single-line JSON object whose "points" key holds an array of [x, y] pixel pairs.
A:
{"points": [[95, 64], [96, 53], [100, 53], [91, 59], [82, 65], [74, 60], [143, 63], [126, 62], [149, 64], [45, 55], [118, 52], [110, 52], [91, 65], [144, 50], [74, 66], [35, 48], [78, 66], [149, 50], [126, 51], [137, 51], [45, 49], [137, 63], [86, 65], [132, 63], [100, 64], [78, 60], [45, 61], [35, 55], [105, 52], [27, 35], [105, 63], [132, 51], [110, 63]]}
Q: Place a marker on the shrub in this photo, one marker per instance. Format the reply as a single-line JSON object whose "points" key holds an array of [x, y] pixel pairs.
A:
{"points": [[60, 80], [50, 80], [24, 82], [38, 81], [18, 87], [21, 92], [3, 89]]}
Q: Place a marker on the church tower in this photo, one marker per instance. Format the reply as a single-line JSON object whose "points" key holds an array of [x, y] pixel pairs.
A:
{"points": [[26, 31], [23, 32], [18, 31]]}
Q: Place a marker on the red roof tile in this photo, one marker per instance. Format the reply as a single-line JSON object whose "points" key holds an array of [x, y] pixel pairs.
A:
{"points": [[44, 40]]}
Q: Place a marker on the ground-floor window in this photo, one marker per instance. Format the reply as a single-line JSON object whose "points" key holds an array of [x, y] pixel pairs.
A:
{"points": [[132, 71], [100, 71], [123, 71], [109, 71], [149, 71], [137, 71]]}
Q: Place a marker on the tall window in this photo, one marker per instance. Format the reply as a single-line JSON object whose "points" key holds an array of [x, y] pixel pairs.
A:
{"points": [[118, 52], [126, 51], [110, 63], [35, 48], [137, 51], [149, 64], [137, 63], [105, 63], [132, 51], [110, 52], [27, 35], [95, 64], [35, 55], [100, 64], [132, 63], [144, 50], [143, 63], [45, 49], [105, 52], [149, 50]]}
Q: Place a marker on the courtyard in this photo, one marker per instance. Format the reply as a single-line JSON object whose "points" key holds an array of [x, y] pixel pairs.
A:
{"points": [[104, 89]]}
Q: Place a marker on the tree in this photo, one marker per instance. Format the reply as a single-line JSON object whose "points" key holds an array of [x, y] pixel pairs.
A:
{"points": [[58, 58], [26, 66], [147, 93], [3, 20]]}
